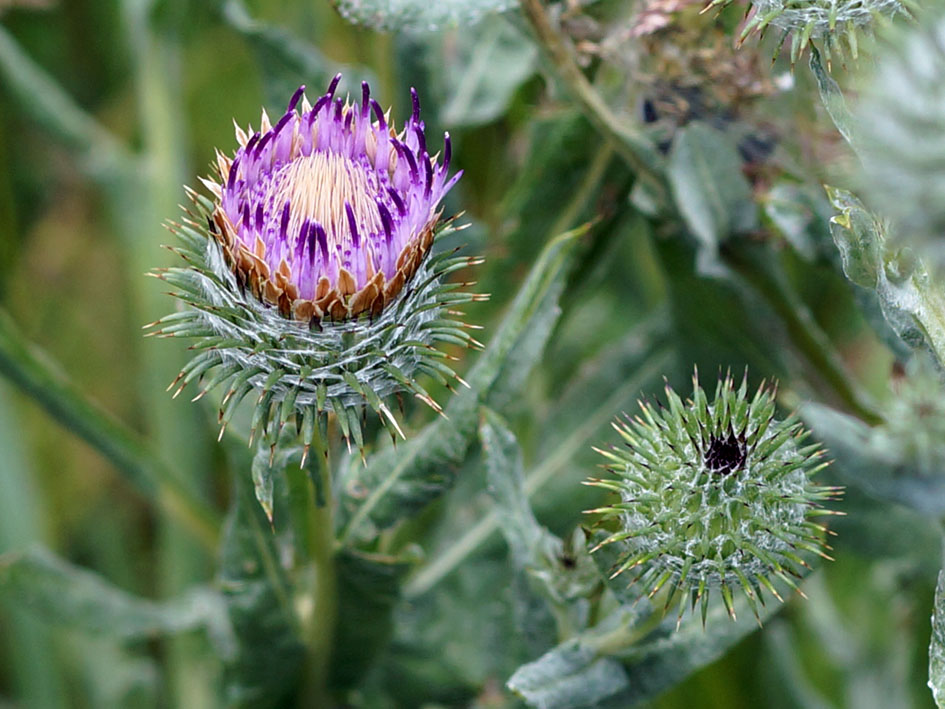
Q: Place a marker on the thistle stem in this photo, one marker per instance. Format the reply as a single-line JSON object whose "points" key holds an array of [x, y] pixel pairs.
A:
{"points": [[633, 146], [311, 501]]}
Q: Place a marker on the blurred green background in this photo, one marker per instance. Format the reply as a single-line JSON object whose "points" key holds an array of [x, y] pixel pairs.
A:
{"points": [[108, 108]]}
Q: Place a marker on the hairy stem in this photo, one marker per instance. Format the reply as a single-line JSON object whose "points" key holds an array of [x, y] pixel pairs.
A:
{"points": [[314, 528], [633, 146]]}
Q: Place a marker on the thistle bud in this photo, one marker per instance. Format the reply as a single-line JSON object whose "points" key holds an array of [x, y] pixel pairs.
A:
{"points": [[714, 496], [311, 280]]}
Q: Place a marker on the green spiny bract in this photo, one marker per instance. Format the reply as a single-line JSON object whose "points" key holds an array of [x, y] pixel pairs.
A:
{"points": [[714, 496], [835, 24]]}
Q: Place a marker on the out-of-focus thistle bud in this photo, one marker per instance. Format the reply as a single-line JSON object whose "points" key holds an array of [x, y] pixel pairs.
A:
{"points": [[714, 496], [311, 280], [834, 24]]}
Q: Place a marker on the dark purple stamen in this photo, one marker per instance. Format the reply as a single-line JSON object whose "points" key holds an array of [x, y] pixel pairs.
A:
{"points": [[332, 86], [353, 224], [231, 179], [349, 119], [294, 101], [284, 222], [262, 144], [319, 104], [338, 106], [245, 211], [310, 239], [379, 113], [408, 156], [322, 239], [429, 170], [282, 121], [421, 139], [251, 142], [447, 151], [259, 217], [365, 98], [398, 202], [386, 221]]}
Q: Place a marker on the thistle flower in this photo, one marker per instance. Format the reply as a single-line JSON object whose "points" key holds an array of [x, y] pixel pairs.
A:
{"points": [[714, 496], [311, 280]]}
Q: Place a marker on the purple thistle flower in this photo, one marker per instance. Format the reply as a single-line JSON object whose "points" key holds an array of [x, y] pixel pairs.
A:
{"points": [[329, 212]]}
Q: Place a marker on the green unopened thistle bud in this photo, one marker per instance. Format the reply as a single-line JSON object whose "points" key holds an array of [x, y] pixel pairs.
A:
{"points": [[311, 280], [836, 25], [714, 496]]}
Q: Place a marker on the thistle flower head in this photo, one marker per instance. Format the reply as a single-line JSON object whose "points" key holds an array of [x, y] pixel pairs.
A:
{"points": [[713, 495], [311, 280], [329, 212]]}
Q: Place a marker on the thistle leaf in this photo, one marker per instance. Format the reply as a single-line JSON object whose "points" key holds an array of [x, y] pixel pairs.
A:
{"points": [[419, 15], [712, 194], [69, 596], [401, 481]]}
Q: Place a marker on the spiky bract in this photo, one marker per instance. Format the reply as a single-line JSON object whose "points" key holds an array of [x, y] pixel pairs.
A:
{"points": [[714, 496], [836, 25], [310, 303]]}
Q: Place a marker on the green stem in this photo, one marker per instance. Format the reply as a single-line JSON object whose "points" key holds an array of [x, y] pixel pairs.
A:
{"points": [[633, 146], [314, 528], [36, 375], [454, 555]]}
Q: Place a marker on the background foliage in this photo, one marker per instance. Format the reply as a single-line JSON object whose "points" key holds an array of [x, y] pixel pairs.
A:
{"points": [[647, 197]]}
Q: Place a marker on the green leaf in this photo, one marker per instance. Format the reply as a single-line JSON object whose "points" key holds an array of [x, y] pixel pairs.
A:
{"points": [[505, 479], [397, 482], [711, 193], [419, 15], [937, 646], [368, 591], [832, 98], [571, 675], [909, 300], [871, 459], [612, 666], [69, 596], [268, 656], [482, 69]]}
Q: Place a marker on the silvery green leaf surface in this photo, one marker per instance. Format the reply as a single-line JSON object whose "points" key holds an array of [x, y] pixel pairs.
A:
{"points": [[901, 122], [872, 459], [912, 303], [571, 676], [937, 647], [398, 481], [61, 593], [610, 666], [482, 69], [418, 15], [711, 193]]}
